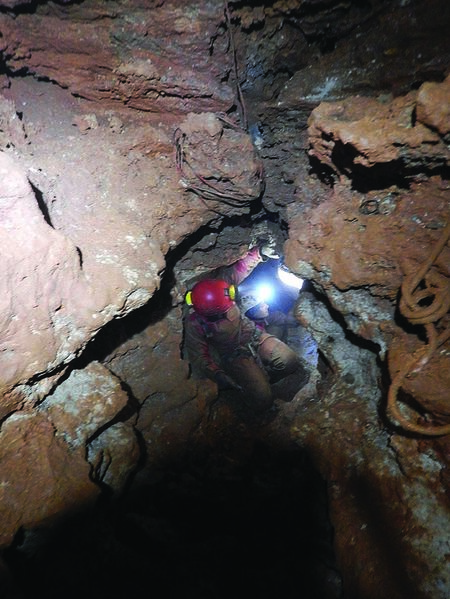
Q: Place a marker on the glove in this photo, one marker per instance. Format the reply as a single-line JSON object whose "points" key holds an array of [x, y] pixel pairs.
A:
{"points": [[226, 382], [267, 250]]}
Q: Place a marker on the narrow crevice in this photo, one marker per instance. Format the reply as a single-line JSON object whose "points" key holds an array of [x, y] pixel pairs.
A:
{"points": [[119, 330], [42, 205], [338, 317]]}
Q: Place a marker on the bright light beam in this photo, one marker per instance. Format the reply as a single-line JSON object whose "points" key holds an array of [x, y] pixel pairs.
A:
{"points": [[264, 292], [288, 278]]}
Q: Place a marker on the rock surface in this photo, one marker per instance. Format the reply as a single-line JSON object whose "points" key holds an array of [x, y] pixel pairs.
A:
{"points": [[126, 171], [42, 481]]}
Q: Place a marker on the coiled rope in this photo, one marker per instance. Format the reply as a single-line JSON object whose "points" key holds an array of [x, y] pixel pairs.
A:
{"points": [[422, 286]]}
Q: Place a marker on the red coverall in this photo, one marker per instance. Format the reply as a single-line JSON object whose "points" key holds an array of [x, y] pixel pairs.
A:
{"points": [[237, 346]]}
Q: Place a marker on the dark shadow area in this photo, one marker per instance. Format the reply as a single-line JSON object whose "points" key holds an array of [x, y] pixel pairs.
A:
{"points": [[216, 525], [364, 179], [379, 176], [324, 173], [30, 8], [42, 205]]}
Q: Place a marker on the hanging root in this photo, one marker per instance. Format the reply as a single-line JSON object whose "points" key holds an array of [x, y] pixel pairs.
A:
{"points": [[437, 293]]}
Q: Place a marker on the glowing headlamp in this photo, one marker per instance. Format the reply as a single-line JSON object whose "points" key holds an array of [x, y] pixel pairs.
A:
{"points": [[288, 278], [264, 292]]}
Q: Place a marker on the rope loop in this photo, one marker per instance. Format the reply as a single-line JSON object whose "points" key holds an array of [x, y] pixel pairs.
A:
{"points": [[425, 299]]}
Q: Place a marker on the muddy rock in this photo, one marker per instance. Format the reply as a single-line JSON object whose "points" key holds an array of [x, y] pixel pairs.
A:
{"points": [[84, 403], [41, 286], [42, 479], [217, 161], [433, 106], [351, 139], [114, 455], [100, 54]]}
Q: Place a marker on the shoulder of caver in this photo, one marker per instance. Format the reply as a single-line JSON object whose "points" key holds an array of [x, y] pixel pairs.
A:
{"points": [[193, 323]]}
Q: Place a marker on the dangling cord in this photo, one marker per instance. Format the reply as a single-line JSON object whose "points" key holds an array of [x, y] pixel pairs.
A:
{"points": [[240, 96], [437, 287]]}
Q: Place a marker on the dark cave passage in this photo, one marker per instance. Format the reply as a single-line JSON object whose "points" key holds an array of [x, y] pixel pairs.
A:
{"points": [[222, 523]]}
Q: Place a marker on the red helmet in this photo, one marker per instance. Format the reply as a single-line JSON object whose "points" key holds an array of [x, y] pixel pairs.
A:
{"points": [[211, 297]]}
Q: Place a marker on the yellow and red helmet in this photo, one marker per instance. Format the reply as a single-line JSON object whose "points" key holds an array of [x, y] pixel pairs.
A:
{"points": [[211, 297]]}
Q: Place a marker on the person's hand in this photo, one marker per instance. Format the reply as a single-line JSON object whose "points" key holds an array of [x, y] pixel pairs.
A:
{"points": [[267, 249], [226, 382]]}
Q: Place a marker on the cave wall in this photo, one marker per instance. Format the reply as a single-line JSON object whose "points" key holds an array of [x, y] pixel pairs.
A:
{"points": [[112, 117]]}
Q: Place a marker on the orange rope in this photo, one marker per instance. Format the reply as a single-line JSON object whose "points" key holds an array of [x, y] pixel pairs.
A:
{"points": [[437, 290]]}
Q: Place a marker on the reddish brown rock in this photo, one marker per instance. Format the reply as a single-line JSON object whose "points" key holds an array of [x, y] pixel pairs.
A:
{"points": [[363, 132], [83, 410], [100, 54], [40, 287], [112, 205], [433, 106], [353, 247], [54, 294], [84, 403], [217, 161], [358, 247], [42, 481], [114, 455], [12, 401], [375, 481]]}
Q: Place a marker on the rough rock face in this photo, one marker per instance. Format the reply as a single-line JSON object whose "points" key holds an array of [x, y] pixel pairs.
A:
{"points": [[349, 140], [105, 55], [126, 170], [49, 302], [358, 249], [41, 480], [211, 165], [91, 201]]}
